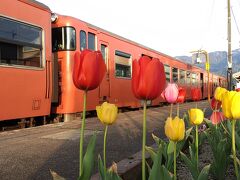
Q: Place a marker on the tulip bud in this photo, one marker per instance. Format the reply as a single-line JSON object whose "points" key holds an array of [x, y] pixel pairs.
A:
{"points": [[88, 70], [227, 103], [196, 116], [181, 95], [219, 93], [171, 93], [196, 94], [148, 78], [235, 106], [107, 113], [175, 129]]}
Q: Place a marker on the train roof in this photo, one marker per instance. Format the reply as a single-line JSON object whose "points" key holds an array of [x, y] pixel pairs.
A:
{"points": [[37, 5]]}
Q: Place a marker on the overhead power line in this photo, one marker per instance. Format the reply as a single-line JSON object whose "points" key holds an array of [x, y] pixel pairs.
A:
{"points": [[235, 21]]}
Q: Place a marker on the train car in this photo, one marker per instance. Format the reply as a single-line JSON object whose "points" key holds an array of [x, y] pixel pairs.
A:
{"points": [[25, 59], [36, 61], [70, 35]]}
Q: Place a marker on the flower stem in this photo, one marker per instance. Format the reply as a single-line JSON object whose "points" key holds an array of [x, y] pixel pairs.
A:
{"points": [[175, 160], [234, 148], [171, 109], [177, 109], [144, 139], [225, 129], [82, 133], [196, 145], [104, 151]]}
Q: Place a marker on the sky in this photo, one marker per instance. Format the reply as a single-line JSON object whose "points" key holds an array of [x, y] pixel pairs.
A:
{"points": [[173, 27]]}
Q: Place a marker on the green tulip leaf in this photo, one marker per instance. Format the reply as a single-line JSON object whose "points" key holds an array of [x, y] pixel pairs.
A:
{"points": [[188, 132], [100, 167], [204, 173], [150, 150], [148, 167], [237, 141], [170, 148], [208, 122], [156, 139], [166, 174], [155, 173], [191, 166], [238, 161], [88, 160], [113, 176]]}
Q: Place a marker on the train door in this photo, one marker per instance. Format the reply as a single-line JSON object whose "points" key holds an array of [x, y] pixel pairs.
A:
{"points": [[104, 88], [202, 84]]}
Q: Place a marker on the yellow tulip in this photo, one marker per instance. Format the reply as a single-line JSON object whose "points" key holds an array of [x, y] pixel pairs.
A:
{"points": [[219, 93], [235, 106], [175, 129], [107, 113], [227, 102], [196, 116]]}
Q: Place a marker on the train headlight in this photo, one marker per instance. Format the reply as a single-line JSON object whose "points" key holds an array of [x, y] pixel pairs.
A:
{"points": [[54, 17]]}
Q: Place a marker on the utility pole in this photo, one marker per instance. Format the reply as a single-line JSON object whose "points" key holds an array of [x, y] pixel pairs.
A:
{"points": [[229, 71], [207, 66]]}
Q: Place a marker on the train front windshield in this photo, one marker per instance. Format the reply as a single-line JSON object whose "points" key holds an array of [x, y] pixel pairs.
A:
{"points": [[63, 39]]}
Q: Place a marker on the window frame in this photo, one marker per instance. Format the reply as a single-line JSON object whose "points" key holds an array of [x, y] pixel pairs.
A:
{"points": [[190, 77], [105, 58], [168, 66], [175, 74], [124, 55], [180, 79], [86, 44], [95, 40], [41, 47], [74, 49]]}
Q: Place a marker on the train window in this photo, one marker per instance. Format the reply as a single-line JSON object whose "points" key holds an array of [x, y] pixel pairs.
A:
{"points": [[188, 79], [20, 43], [83, 40], [123, 63], [182, 76], [194, 79], [91, 41], [175, 74], [63, 39], [167, 72], [104, 52]]}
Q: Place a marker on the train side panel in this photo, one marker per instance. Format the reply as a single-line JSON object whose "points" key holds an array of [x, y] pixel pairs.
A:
{"points": [[25, 60], [118, 55]]}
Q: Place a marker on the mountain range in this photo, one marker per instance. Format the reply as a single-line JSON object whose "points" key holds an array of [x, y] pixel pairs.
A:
{"points": [[218, 61]]}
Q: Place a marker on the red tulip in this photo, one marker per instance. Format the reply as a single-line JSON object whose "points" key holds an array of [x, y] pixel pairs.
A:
{"points": [[148, 78], [181, 95], [196, 94], [88, 70], [217, 117], [215, 104]]}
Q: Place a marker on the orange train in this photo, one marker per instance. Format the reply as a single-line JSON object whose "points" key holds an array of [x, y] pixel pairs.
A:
{"points": [[36, 62]]}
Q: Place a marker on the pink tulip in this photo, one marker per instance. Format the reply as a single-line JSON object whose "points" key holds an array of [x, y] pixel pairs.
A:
{"points": [[217, 117], [170, 93]]}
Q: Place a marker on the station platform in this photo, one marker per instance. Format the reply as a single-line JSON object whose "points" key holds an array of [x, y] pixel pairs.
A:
{"points": [[30, 153]]}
